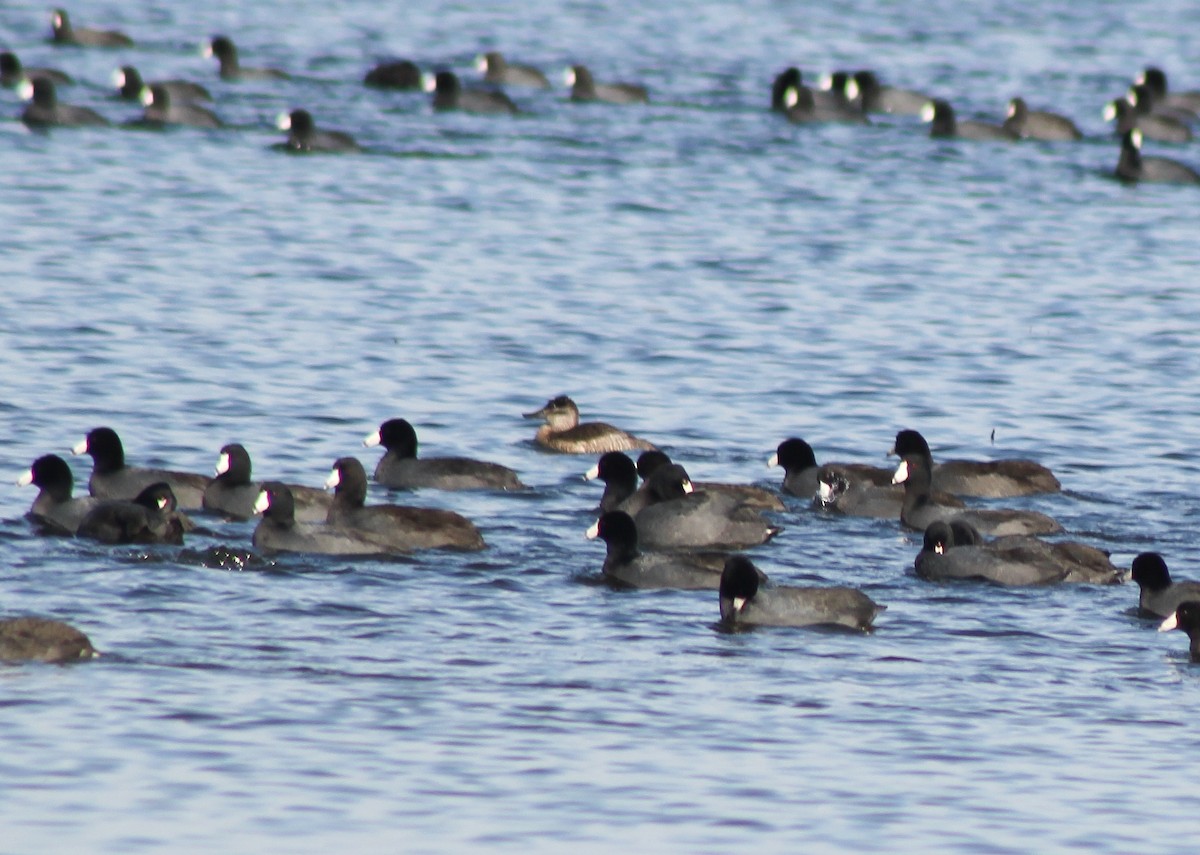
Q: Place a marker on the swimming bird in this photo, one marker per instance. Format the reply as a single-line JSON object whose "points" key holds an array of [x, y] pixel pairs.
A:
{"points": [[401, 468], [38, 639], [450, 94], [1155, 81], [1132, 166], [496, 69], [944, 124], [130, 84], [149, 518], [1158, 595], [1186, 618], [745, 602], [279, 530], [55, 509], [13, 73], [62, 33], [942, 559], [394, 74], [112, 479], [1039, 124], [231, 69], [649, 462], [879, 97], [401, 527], [1160, 128], [625, 564], [304, 136], [585, 88], [678, 517], [563, 432], [233, 493], [801, 473], [982, 479], [160, 109], [46, 111], [919, 510]]}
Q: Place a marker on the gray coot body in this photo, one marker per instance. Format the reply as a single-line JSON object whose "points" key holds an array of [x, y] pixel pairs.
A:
{"points": [[304, 135], [1159, 596], [231, 69], [878, 97], [1039, 124], [803, 105], [279, 531], [1186, 618], [450, 94], [563, 432], [394, 74], [161, 109], [679, 518], [1132, 166], [755, 497], [1159, 128], [496, 69], [13, 73], [130, 84], [744, 602], [401, 527], [835, 492], [1155, 81], [63, 33], [233, 493], [1145, 104], [400, 466], [37, 639], [980, 479], [943, 124], [113, 479], [919, 510], [585, 88], [55, 510], [625, 564], [941, 559], [149, 518], [46, 111], [801, 474]]}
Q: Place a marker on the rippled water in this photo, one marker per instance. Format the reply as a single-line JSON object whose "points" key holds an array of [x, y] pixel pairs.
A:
{"points": [[697, 270]]}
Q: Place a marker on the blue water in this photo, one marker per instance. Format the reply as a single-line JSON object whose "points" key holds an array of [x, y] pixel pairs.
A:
{"points": [[697, 270]]}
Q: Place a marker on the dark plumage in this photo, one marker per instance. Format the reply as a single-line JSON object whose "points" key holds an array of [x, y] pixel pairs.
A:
{"points": [[279, 531], [620, 477], [1159, 596], [450, 94], [160, 109], [13, 73], [46, 111], [496, 69], [401, 468], [401, 527], [585, 88], [679, 518], [130, 84], [942, 559], [649, 462], [304, 136], [803, 105], [920, 510], [944, 124], [113, 479], [801, 475], [394, 74], [36, 639], [1155, 81], [231, 69], [233, 493], [877, 97], [744, 602], [1039, 124], [1159, 128], [786, 79], [149, 518], [562, 431], [55, 509], [1187, 619], [982, 479], [1133, 166], [62, 33], [627, 565]]}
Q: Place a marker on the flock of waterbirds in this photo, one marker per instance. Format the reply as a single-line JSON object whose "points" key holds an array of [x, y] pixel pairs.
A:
{"points": [[661, 529], [1148, 111]]}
